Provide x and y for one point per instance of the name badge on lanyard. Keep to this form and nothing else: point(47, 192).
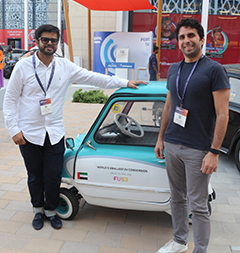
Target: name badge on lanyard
point(45, 104)
point(180, 115)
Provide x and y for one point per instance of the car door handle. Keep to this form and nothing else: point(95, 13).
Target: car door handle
point(88, 143)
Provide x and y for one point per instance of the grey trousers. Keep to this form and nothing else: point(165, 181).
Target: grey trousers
point(189, 190)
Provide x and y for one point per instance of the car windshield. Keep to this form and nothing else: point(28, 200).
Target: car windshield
point(131, 123)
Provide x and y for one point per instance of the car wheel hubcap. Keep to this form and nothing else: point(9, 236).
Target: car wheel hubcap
point(63, 207)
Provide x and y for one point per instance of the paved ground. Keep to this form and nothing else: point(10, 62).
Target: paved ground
point(97, 229)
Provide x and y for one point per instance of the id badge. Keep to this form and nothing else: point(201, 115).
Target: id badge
point(45, 106)
point(180, 116)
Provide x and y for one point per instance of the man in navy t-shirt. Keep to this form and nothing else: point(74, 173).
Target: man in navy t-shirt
point(153, 64)
point(193, 125)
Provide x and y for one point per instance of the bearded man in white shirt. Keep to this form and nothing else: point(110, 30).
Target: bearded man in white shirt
point(32, 109)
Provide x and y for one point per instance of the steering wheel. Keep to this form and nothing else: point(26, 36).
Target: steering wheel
point(125, 129)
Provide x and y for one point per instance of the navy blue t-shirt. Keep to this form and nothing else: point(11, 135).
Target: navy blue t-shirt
point(208, 76)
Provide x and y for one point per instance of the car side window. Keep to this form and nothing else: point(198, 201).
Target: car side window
point(131, 123)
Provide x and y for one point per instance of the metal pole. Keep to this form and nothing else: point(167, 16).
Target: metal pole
point(59, 14)
point(204, 21)
point(215, 7)
point(26, 24)
point(59, 21)
point(159, 29)
point(34, 13)
point(89, 41)
point(3, 14)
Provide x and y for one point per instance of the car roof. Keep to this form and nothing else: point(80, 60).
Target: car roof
point(233, 69)
point(152, 88)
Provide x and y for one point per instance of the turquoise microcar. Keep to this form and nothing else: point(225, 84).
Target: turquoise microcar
point(114, 164)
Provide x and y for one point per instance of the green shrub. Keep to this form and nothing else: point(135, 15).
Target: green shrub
point(92, 96)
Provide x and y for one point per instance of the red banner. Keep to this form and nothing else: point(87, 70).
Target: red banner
point(222, 40)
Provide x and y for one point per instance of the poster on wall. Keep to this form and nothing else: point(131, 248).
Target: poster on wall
point(105, 49)
point(222, 38)
point(217, 42)
point(168, 36)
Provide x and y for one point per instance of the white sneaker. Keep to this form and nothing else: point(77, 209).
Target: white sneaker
point(173, 247)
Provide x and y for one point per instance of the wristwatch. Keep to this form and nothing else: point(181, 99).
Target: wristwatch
point(214, 151)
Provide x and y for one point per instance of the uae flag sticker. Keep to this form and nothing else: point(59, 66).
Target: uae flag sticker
point(82, 175)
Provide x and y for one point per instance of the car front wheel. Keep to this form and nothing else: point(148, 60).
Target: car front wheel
point(68, 205)
point(237, 155)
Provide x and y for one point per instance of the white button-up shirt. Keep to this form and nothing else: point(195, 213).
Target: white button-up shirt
point(21, 105)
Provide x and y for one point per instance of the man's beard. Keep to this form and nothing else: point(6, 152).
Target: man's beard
point(43, 51)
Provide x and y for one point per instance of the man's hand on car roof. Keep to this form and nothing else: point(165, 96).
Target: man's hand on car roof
point(133, 84)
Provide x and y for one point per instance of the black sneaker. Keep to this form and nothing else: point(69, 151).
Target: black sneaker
point(55, 221)
point(38, 221)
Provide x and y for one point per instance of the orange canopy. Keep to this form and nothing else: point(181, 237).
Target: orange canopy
point(116, 5)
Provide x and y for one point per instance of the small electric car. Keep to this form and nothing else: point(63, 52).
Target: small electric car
point(114, 164)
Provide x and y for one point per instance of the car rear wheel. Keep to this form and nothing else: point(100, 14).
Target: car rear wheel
point(237, 155)
point(68, 205)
